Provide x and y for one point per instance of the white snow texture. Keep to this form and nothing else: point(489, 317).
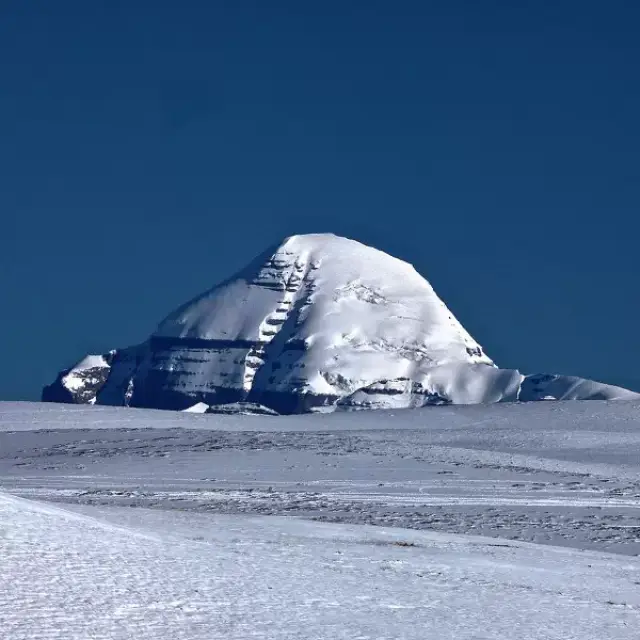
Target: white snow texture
point(170, 525)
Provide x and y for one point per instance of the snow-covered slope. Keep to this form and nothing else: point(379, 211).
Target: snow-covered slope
point(314, 322)
point(154, 575)
point(559, 473)
point(335, 295)
point(476, 384)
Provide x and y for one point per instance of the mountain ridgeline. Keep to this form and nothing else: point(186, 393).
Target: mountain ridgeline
point(316, 323)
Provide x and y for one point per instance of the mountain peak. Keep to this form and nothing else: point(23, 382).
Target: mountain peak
point(315, 321)
point(336, 294)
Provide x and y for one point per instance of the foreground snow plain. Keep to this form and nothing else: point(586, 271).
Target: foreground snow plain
point(198, 558)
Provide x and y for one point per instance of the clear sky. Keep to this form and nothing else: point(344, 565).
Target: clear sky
point(150, 148)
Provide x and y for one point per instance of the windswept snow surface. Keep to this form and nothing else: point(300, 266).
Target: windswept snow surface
point(198, 557)
point(114, 573)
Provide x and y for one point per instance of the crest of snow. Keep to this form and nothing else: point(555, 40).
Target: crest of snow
point(199, 407)
point(79, 374)
point(91, 362)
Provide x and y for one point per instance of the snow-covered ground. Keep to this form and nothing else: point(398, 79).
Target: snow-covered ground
point(198, 558)
point(137, 573)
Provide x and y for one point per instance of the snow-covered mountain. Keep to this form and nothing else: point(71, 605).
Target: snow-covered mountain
point(317, 322)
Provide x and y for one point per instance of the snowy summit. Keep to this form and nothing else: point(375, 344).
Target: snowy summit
point(318, 322)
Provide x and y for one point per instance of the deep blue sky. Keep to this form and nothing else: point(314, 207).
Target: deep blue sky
point(148, 149)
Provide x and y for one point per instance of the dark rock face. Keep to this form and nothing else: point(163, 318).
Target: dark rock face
point(57, 392)
point(118, 388)
point(148, 376)
point(152, 376)
point(160, 378)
